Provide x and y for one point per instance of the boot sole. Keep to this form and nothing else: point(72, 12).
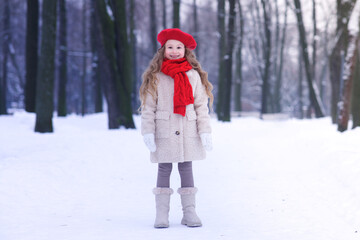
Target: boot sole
point(161, 226)
point(192, 225)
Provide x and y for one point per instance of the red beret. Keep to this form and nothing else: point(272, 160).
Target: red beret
point(176, 34)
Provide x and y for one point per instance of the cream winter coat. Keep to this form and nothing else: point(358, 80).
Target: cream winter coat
point(177, 138)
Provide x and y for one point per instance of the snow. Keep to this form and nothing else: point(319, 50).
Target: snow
point(354, 20)
point(264, 180)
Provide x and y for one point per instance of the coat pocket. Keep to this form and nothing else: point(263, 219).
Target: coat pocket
point(191, 124)
point(162, 124)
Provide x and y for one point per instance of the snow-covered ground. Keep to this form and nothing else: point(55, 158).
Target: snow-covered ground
point(264, 180)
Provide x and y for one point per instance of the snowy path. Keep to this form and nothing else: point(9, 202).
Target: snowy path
point(264, 180)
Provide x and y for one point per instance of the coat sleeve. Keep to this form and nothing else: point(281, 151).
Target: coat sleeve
point(148, 115)
point(201, 106)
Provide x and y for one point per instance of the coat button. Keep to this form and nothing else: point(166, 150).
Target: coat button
point(177, 133)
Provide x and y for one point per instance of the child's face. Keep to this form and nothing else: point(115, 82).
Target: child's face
point(174, 49)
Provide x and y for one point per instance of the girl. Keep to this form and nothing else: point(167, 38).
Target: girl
point(175, 121)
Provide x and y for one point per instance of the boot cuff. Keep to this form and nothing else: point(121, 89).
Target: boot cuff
point(187, 190)
point(167, 191)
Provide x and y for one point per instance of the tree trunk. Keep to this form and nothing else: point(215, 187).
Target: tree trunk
point(273, 78)
point(5, 48)
point(350, 69)
point(238, 81)
point(300, 86)
point(324, 65)
point(257, 39)
point(124, 60)
point(45, 78)
point(266, 54)
point(133, 46)
point(31, 58)
point(355, 101)
point(95, 73)
point(164, 15)
point(221, 77)
point(313, 70)
point(313, 92)
point(84, 65)
point(61, 107)
point(228, 61)
point(196, 29)
point(335, 69)
point(344, 9)
point(278, 82)
point(153, 31)
point(176, 13)
point(349, 73)
point(12, 55)
point(107, 62)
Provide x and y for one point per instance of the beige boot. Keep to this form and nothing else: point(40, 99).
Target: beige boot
point(162, 199)
point(190, 218)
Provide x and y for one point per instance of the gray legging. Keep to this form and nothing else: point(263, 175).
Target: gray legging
point(185, 170)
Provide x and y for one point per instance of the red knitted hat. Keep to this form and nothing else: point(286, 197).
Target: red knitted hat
point(176, 34)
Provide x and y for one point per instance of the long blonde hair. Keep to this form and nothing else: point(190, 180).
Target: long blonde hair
point(149, 83)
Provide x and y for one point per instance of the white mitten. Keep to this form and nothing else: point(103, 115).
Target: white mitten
point(206, 141)
point(149, 140)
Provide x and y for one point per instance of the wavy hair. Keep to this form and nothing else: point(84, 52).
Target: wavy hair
point(149, 83)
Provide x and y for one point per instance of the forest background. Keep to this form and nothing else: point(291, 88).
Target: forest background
point(290, 57)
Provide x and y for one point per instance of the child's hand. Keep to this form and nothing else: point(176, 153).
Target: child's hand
point(149, 140)
point(206, 141)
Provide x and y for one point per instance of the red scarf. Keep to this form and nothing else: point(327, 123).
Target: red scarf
point(183, 94)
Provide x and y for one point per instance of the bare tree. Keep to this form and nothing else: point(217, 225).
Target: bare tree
point(176, 13)
point(5, 48)
point(45, 77)
point(239, 61)
point(314, 45)
point(324, 73)
point(164, 15)
point(344, 9)
point(313, 92)
point(300, 84)
point(84, 60)
point(61, 103)
point(196, 28)
point(266, 54)
point(153, 30)
point(355, 100)
point(280, 63)
point(95, 71)
point(106, 59)
point(123, 61)
point(228, 62)
point(350, 70)
point(133, 46)
point(222, 52)
point(31, 58)
point(275, 99)
point(115, 64)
